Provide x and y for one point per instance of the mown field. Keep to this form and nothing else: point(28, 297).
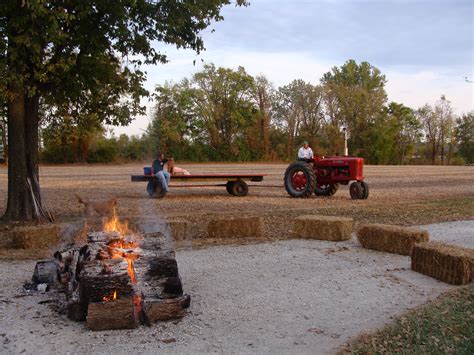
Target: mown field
point(405, 195)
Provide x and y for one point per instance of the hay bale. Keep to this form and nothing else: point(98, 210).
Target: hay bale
point(323, 228)
point(447, 263)
point(6, 238)
point(35, 237)
point(179, 229)
point(391, 239)
point(244, 227)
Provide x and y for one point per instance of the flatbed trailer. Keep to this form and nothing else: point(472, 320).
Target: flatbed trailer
point(235, 184)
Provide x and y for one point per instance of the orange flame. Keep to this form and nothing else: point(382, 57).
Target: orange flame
point(130, 270)
point(114, 225)
point(110, 298)
point(117, 246)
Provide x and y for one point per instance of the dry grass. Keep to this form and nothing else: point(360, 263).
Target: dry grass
point(443, 326)
point(391, 239)
point(323, 228)
point(447, 263)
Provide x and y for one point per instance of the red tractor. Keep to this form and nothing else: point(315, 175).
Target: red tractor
point(323, 176)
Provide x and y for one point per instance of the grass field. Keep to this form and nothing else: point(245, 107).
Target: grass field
point(404, 195)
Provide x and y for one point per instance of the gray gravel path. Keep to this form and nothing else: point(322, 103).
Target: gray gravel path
point(294, 296)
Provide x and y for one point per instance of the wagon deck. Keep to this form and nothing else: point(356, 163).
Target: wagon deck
point(235, 183)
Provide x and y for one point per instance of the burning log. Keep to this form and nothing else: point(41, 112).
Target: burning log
point(102, 277)
point(165, 309)
point(114, 314)
point(112, 282)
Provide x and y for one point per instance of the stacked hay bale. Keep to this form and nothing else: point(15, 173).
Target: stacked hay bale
point(179, 229)
point(323, 227)
point(391, 239)
point(243, 227)
point(35, 237)
point(447, 263)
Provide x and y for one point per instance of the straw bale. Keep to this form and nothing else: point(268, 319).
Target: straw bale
point(6, 239)
point(179, 229)
point(391, 239)
point(447, 263)
point(244, 227)
point(323, 227)
point(35, 237)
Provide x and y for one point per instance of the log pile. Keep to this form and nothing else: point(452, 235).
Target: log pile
point(117, 282)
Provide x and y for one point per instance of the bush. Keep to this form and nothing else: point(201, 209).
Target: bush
point(106, 151)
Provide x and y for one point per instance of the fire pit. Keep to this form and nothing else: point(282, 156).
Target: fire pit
point(118, 279)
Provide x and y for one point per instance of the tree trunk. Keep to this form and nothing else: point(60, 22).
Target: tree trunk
point(24, 199)
point(442, 146)
point(4, 140)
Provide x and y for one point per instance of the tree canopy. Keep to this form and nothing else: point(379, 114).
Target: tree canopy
point(83, 58)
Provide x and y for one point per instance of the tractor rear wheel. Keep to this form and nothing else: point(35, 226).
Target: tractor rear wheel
point(356, 190)
point(300, 180)
point(240, 188)
point(365, 189)
point(326, 189)
point(154, 189)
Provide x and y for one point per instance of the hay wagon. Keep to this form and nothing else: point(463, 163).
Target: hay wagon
point(235, 184)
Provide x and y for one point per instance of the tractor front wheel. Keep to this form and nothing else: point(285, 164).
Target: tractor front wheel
point(356, 190)
point(365, 189)
point(326, 189)
point(300, 180)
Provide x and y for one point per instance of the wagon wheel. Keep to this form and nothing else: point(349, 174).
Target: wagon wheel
point(325, 189)
point(229, 186)
point(356, 190)
point(365, 189)
point(239, 188)
point(154, 189)
point(300, 180)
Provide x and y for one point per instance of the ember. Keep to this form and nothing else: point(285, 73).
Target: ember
point(110, 298)
point(119, 279)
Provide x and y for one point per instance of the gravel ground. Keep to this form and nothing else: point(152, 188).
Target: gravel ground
point(293, 296)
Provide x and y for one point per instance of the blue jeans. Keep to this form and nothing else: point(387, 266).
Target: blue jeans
point(164, 178)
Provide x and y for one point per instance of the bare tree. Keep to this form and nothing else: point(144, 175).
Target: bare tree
point(264, 90)
point(444, 113)
point(431, 128)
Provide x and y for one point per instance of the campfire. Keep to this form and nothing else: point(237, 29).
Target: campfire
point(118, 279)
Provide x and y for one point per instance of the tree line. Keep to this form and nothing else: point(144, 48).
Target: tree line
point(222, 114)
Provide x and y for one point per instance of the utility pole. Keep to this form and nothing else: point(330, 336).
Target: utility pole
point(346, 150)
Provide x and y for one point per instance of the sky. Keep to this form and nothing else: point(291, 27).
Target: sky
point(425, 48)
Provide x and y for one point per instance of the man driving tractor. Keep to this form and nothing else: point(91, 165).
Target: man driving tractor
point(305, 153)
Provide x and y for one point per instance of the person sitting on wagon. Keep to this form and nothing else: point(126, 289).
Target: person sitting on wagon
point(176, 170)
point(162, 175)
point(305, 153)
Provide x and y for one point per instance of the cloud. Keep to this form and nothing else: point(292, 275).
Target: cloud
point(417, 88)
